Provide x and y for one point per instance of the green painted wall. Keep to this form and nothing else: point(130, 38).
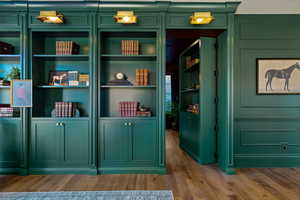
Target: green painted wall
point(264, 123)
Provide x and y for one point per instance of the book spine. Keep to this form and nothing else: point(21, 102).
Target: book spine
point(131, 109)
point(131, 42)
point(69, 109)
point(137, 76)
point(146, 76)
point(126, 47)
point(69, 51)
point(142, 76)
point(59, 109)
point(58, 47)
point(137, 47)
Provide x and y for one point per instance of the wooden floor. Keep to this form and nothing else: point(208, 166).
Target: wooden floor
point(186, 179)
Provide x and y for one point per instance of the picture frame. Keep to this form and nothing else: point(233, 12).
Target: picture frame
point(58, 78)
point(21, 93)
point(278, 76)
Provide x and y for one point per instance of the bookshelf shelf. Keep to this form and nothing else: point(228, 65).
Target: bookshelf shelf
point(190, 90)
point(128, 57)
point(128, 86)
point(59, 56)
point(62, 86)
point(128, 118)
point(4, 87)
point(10, 55)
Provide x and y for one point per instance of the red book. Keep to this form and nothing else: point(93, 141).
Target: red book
point(130, 109)
point(126, 109)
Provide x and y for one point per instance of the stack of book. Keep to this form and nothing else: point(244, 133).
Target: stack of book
point(6, 48)
point(143, 113)
point(84, 79)
point(4, 83)
point(66, 48)
point(141, 76)
point(65, 109)
point(128, 108)
point(130, 47)
point(73, 77)
point(7, 111)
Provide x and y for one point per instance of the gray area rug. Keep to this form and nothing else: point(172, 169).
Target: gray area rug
point(97, 195)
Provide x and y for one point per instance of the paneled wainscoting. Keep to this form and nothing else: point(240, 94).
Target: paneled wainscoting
point(187, 179)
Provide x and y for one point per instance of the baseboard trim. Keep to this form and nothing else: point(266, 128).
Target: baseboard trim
point(42, 171)
point(9, 171)
point(132, 170)
point(266, 161)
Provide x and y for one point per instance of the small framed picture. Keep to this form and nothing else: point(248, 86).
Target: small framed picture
point(58, 78)
point(278, 76)
point(21, 93)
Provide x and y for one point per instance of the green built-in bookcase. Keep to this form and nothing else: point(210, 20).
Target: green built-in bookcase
point(128, 144)
point(10, 127)
point(59, 143)
point(198, 87)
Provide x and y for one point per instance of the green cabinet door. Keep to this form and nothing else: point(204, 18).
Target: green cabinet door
point(46, 139)
point(114, 141)
point(144, 137)
point(76, 142)
point(10, 135)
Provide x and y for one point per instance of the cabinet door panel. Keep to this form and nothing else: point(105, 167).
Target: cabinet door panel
point(10, 135)
point(144, 137)
point(46, 143)
point(76, 141)
point(115, 140)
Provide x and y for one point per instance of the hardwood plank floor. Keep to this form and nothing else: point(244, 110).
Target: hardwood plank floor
point(187, 179)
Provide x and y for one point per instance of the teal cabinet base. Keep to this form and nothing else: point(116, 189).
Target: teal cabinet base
point(132, 170)
point(267, 161)
point(85, 171)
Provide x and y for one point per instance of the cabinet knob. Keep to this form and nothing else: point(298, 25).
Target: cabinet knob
point(129, 123)
point(125, 123)
point(62, 124)
point(57, 124)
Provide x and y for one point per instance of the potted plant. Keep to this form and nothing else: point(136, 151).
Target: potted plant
point(15, 73)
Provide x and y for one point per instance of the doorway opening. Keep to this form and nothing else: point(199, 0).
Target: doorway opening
point(192, 64)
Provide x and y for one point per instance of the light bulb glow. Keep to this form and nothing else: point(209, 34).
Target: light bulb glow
point(199, 20)
point(126, 19)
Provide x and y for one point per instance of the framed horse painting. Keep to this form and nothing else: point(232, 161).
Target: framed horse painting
point(278, 76)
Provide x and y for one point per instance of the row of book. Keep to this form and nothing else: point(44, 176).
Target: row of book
point(6, 48)
point(7, 111)
point(130, 47)
point(67, 48)
point(65, 109)
point(77, 79)
point(130, 109)
point(141, 76)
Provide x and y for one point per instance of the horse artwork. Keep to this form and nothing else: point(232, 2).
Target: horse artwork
point(278, 76)
point(58, 78)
